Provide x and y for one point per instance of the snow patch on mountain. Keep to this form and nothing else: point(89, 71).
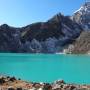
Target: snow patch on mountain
point(82, 16)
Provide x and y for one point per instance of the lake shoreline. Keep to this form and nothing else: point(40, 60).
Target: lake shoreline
point(46, 68)
point(11, 83)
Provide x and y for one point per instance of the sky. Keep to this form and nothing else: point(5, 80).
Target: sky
point(20, 13)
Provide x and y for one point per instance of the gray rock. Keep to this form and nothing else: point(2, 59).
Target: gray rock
point(82, 16)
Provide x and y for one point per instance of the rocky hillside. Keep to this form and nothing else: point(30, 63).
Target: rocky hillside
point(82, 44)
point(52, 36)
point(42, 37)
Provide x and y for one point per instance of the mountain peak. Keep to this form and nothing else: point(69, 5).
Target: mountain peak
point(85, 8)
point(82, 16)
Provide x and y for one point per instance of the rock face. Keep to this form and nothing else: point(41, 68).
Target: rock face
point(42, 37)
point(9, 39)
point(52, 36)
point(82, 16)
point(82, 44)
point(59, 26)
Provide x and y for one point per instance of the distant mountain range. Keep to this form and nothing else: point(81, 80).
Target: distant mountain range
point(57, 35)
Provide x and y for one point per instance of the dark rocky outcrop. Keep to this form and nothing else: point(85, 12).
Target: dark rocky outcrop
point(9, 39)
point(12, 79)
point(2, 81)
point(19, 89)
point(58, 26)
point(37, 37)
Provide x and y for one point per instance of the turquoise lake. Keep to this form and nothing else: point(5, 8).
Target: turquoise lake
point(46, 67)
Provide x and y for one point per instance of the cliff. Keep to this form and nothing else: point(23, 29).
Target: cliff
point(42, 37)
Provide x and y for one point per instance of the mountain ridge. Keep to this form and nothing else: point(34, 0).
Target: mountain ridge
point(52, 36)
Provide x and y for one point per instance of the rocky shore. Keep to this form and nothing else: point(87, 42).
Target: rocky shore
point(11, 83)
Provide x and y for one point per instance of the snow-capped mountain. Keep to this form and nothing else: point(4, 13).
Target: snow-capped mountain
point(52, 36)
point(82, 16)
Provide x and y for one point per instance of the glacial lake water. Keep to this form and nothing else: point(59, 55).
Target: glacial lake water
point(46, 68)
